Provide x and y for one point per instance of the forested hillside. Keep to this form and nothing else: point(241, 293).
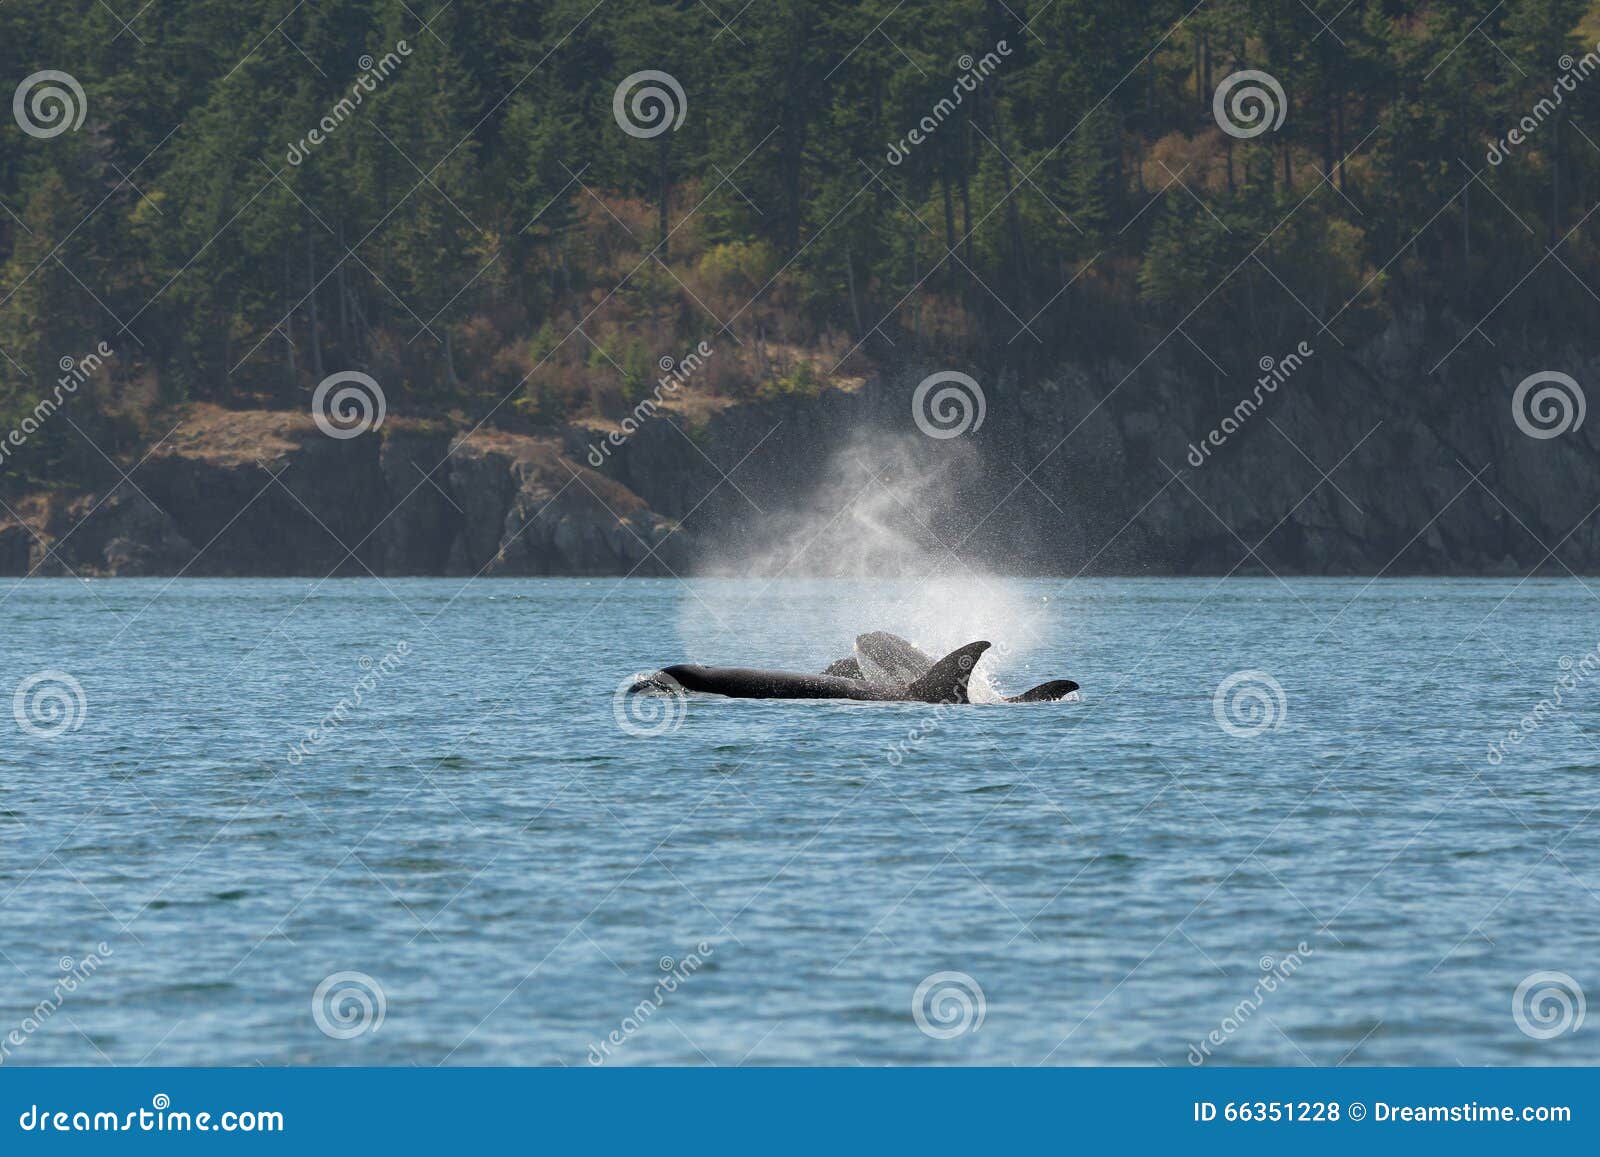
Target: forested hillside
point(482, 200)
point(487, 208)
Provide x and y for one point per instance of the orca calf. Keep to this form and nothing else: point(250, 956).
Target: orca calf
point(885, 669)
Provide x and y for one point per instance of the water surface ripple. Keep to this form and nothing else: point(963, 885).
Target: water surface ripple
point(480, 837)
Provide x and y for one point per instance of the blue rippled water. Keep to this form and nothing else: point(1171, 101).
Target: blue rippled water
point(511, 869)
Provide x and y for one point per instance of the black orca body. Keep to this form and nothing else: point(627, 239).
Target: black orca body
point(884, 669)
point(755, 683)
point(944, 682)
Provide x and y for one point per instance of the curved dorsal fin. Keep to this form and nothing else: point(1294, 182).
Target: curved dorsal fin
point(1051, 692)
point(947, 682)
point(891, 660)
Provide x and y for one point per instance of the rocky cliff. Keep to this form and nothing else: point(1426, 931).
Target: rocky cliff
point(1330, 461)
point(267, 493)
point(1362, 462)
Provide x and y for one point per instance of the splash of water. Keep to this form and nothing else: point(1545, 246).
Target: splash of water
point(877, 545)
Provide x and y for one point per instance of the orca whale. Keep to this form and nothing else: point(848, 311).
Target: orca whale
point(885, 669)
point(886, 658)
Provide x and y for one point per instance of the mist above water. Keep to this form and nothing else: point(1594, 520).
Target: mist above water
point(877, 546)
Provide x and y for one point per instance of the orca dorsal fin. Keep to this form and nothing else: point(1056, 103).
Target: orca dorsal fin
point(947, 682)
point(891, 660)
point(1051, 692)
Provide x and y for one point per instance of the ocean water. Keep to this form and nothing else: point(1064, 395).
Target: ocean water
point(487, 847)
